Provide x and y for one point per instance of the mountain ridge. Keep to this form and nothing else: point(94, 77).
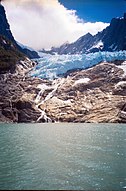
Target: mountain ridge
point(112, 38)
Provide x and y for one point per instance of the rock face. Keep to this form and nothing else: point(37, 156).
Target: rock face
point(93, 95)
point(113, 38)
point(97, 94)
point(17, 92)
point(15, 103)
point(4, 25)
point(6, 32)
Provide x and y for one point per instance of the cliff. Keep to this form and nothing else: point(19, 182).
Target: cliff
point(14, 82)
point(6, 32)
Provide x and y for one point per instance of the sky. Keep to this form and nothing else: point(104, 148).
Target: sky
point(46, 23)
point(97, 10)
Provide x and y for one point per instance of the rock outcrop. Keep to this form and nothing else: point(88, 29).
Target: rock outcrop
point(15, 103)
point(101, 98)
point(17, 92)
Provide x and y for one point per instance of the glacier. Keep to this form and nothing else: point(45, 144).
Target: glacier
point(52, 66)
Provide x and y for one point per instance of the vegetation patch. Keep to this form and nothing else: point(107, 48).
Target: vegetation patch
point(9, 55)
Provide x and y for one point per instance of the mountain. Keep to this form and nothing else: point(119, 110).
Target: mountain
point(113, 38)
point(9, 55)
point(6, 32)
point(4, 25)
point(15, 106)
point(97, 94)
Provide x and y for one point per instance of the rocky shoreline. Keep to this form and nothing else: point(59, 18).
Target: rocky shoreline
point(95, 95)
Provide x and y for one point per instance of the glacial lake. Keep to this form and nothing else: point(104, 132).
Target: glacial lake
point(63, 156)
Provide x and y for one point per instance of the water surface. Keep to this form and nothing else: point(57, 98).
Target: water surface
point(62, 156)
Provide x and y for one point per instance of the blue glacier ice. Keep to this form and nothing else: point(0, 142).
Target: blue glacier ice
point(51, 66)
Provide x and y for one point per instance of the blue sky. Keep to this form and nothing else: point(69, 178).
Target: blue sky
point(96, 10)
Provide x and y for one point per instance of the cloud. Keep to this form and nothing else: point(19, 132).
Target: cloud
point(46, 23)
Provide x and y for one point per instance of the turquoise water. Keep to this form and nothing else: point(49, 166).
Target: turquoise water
point(62, 156)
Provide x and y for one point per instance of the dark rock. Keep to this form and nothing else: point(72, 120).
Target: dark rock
point(30, 53)
point(16, 103)
point(11, 114)
point(4, 26)
point(23, 105)
point(28, 115)
point(122, 114)
point(6, 33)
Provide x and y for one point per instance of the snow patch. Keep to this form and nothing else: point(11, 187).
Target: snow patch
point(98, 45)
point(120, 84)
point(4, 42)
point(82, 81)
point(60, 102)
point(123, 67)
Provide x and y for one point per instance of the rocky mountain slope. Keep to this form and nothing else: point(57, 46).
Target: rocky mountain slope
point(113, 38)
point(93, 95)
point(6, 32)
point(97, 94)
point(15, 105)
point(14, 83)
point(9, 55)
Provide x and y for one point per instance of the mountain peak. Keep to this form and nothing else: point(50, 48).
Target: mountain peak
point(112, 38)
point(4, 25)
point(89, 34)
